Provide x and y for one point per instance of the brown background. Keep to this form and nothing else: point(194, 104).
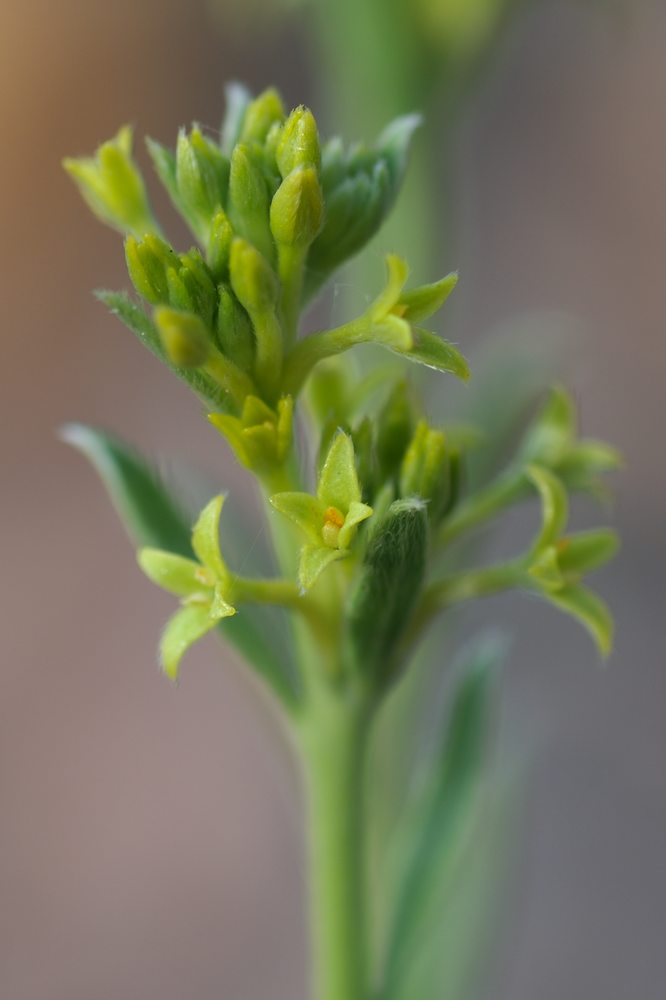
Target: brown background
point(150, 842)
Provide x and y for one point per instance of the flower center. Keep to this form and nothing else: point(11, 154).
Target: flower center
point(333, 521)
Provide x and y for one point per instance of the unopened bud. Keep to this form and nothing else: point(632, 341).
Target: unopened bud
point(219, 245)
point(234, 330)
point(261, 114)
point(252, 278)
point(297, 209)
point(248, 203)
point(147, 263)
point(202, 175)
point(299, 142)
point(184, 337)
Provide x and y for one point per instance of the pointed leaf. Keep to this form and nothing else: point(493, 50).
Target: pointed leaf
point(313, 561)
point(553, 431)
point(187, 626)
point(589, 610)
point(338, 484)
point(176, 574)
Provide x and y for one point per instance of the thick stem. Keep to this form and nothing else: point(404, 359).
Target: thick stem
point(335, 744)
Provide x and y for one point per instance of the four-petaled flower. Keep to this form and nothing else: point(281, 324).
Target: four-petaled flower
point(330, 518)
point(204, 586)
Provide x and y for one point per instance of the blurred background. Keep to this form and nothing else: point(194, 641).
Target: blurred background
point(150, 837)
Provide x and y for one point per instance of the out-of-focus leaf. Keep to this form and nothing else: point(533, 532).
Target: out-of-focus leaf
point(438, 832)
point(151, 518)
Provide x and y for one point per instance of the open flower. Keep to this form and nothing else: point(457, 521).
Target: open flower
point(204, 586)
point(329, 519)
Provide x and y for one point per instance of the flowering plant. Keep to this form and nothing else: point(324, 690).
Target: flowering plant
point(365, 500)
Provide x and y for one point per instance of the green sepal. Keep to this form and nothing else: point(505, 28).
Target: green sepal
point(554, 507)
point(112, 186)
point(338, 484)
point(422, 302)
point(303, 510)
point(356, 514)
point(260, 438)
point(206, 538)
point(587, 608)
point(252, 278)
point(397, 273)
point(189, 624)
point(434, 352)
point(586, 551)
point(388, 585)
point(177, 574)
point(314, 559)
point(425, 470)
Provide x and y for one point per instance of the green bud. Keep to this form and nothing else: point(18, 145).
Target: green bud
point(113, 187)
point(219, 245)
point(234, 330)
point(198, 280)
point(147, 263)
point(202, 175)
point(389, 583)
point(299, 142)
point(263, 112)
point(297, 209)
point(249, 200)
point(425, 470)
point(184, 337)
point(252, 278)
point(364, 449)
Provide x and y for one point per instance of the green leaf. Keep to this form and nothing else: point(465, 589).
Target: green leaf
point(436, 833)
point(187, 626)
point(174, 573)
point(338, 484)
point(149, 515)
point(554, 506)
point(151, 518)
point(387, 589)
point(430, 350)
point(589, 610)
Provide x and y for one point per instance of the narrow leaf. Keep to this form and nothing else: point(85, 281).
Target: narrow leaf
point(434, 352)
point(589, 610)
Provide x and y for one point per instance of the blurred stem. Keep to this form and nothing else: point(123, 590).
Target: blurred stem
point(334, 741)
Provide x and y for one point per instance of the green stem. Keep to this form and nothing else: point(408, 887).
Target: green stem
point(291, 263)
point(334, 745)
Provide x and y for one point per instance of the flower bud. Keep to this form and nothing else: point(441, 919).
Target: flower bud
point(147, 263)
point(252, 278)
point(299, 142)
point(425, 469)
point(219, 245)
point(113, 187)
point(248, 203)
point(184, 337)
point(394, 430)
point(234, 330)
point(202, 176)
point(297, 209)
point(260, 115)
